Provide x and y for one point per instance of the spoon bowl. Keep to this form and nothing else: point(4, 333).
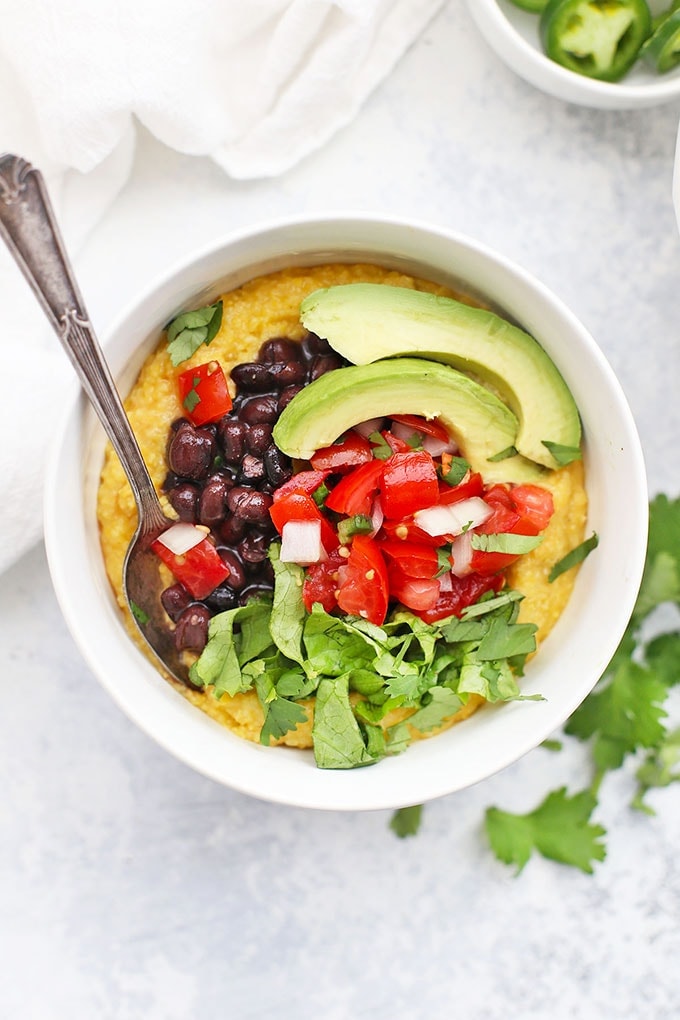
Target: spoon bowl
point(29, 228)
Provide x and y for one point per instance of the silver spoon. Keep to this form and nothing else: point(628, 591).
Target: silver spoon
point(29, 228)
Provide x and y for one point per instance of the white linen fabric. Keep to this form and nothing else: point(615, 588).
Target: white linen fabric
point(254, 84)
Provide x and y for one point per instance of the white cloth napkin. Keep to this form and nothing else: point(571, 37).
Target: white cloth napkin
point(254, 84)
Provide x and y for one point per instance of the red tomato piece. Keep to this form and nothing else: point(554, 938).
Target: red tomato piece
point(321, 583)
point(364, 586)
point(418, 424)
point(413, 559)
point(417, 593)
point(354, 494)
point(298, 506)
point(409, 483)
point(465, 592)
point(472, 486)
point(395, 444)
point(303, 481)
point(203, 392)
point(407, 531)
point(352, 450)
point(535, 506)
point(200, 569)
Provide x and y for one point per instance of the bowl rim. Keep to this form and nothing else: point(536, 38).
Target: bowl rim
point(535, 67)
point(154, 704)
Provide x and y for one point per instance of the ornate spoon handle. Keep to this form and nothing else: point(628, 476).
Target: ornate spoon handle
point(29, 228)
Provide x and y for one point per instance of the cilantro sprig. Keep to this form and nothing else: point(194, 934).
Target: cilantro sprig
point(189, 330)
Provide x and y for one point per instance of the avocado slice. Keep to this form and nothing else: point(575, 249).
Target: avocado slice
point(366, 322)
point(478, 421)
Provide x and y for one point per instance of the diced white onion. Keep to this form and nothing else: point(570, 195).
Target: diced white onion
point(445, 582)
point(377, 516)
point(301, 543)
point(404, 432)
point(365, 428)
point(461, 554)
point(453, 518)
point(436, 447)
point(181, 537)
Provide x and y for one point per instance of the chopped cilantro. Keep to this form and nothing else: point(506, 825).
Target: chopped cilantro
point(563, 455)
point(191, 400)
point(140, 615)
point(509, 451)
point(381, 448)
point(189, 330)
point(574, 557)
point(506, 542)
point(456, 472)
point(406, 821)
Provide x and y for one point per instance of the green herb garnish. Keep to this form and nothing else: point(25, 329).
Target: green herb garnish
point(189, 330)
point(563, 455)
point(574, 557)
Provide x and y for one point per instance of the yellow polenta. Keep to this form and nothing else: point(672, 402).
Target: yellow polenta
point(268, 307)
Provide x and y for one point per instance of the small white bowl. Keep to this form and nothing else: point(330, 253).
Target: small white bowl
point(571, 659)
point(513, 34)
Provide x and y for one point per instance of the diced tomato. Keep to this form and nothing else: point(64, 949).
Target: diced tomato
point(352, 450)
point(354, 494)
point(472, 486)
point(203, 392)
point(428, 428)
point(415, 593)
point(409, 483)
point(414, 559)
point(321, 583)
point(363, 589)
point(535, 506)
point(395, 444)
point(407, 531)
point(303, 481)
point(200, 569)
point(298, 506)
point(465, 592)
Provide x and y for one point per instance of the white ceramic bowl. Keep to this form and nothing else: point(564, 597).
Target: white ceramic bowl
point(570, 661)
point(513, 34)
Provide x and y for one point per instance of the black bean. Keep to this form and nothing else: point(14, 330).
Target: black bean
point(252, 376)
point(277, 466)
point(313, 345)
point(231, 435)
point(322, 364)
point(191, 452)
point(259, 409)
point(232, 529)
point(253, 548)
point(279, 348)
point(252, 470)
point(212, 505)
point(258, 437)
point(184, 500)
point(261, 588)
point(237, 574)
point(175, 600)
point(286, 396)
point(249, 504)
point(191, 630)
point(287, 373)
point(223, 597)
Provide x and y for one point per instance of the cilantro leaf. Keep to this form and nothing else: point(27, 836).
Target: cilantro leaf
point(657, 770)
point(288, 612)
point(622, 716)
point(509, 451)
point(189, 330)
point(406, 821)
point(574, 557)
point(381, 448)
point(559, 829)
point(505, 542)
point(562, 455)
point(280, 714)
point(338, 743)
point(456, 471)
point(219, 664)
